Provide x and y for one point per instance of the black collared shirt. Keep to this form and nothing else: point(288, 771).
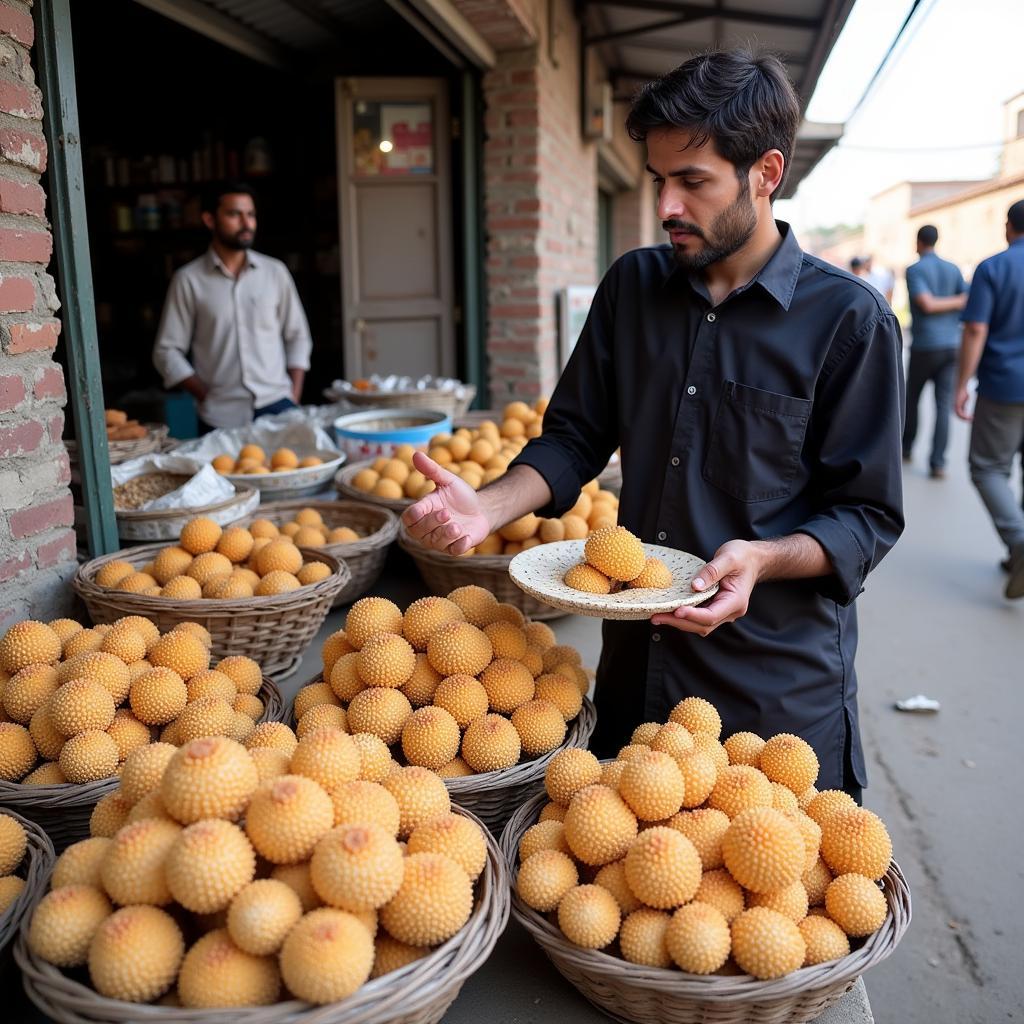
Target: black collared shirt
point(777, 411)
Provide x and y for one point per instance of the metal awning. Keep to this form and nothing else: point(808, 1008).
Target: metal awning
point(641, 39)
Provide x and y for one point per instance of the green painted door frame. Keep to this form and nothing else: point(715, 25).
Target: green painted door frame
point(56, 69)
point(474, 303)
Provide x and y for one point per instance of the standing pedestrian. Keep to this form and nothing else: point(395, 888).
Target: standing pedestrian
point(993, 347)
point(937, 293)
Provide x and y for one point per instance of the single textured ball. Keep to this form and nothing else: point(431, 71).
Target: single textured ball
point(270, 762)
point(704, 827)
point(587, 579)
point(328, 757)
point(856, 841)
point(422, 684)
point(790, 760)
point(124, 641)
point(655, 575)
point(615, 552)
point(112, 573)
point(391, 955)
point(824, 939)
point(457, 837)
point(216, 973)
point(662, 868)
point(88, 757)
point(508, 684)
point(739, 787)
point(856, 904)
point(261, 915)
point(109, 815)
point(380, 711)
point(491, 744)
point(545, 878)
point(45, 735)
point(386, 660)
point(135, 954)
point(13, 843)
point(182, 588)
point(421, 797)
point(207, 567)
point(273, 734)
point(243, 671)
point(561, 692)
point(28, 643)
point(599, 826)
point(589, 916)
point(296, 877)
point(763, 850)
point(720, 890)
point(767, 944)
point(27, 691)
point(143, 770)
point(287, 817)
point(322, 716)
point(208, 864)
point(199, 535)
point(150, 806)
point(826, 802)
point(374, 757)
point(652, 785)
point(540, 725)
point(478, 605)
point(433, 902)
point(698, 938)
point(181, 651)
point(568, 772)
point(65, 921)
point(213, 777)
point(326, 956)
point(430, 737)
point(79, 705)
point(80, 863)
point(344, 680)
point(699, 774)
point(357, 867)
point(128, 734)
point(208, 716)
point(613, 878)
point(790, 900)
point(456, 768)
point(134, 871)
point(47, 774)
point(211, 683)
point(11, 887)
point(463, 697)
point(85, 641)
point(459, 648)
point(816, 880)
point(507, 640)
point(744, 748)
point(333, 648)
point(426, 616)
point(371, 615)
point(276, 582)
point(697, 715)
point(366, 803)
point(158, 696)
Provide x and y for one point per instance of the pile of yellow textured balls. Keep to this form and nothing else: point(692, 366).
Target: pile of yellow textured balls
point(613, 557)
point(252, 460)
point(307, 529)
point(462, 684)
point(82, 704)
point(242, 875)
point(710, 857)
point(229, 563)
point(13, 846)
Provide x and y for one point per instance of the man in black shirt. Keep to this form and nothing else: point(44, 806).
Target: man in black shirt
point(756, 395)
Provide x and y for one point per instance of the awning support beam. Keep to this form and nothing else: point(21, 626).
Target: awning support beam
point(701, 13)
point(636, 30)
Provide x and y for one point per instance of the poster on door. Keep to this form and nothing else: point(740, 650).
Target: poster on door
point(408, 127)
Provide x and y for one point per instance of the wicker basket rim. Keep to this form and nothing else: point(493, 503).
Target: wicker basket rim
point(343, 484)
point(293, 477)
point(83, 583)
point(156, 432)
point(715, 989)
point(375, 1001)
point(40, 856)
point(242, 494)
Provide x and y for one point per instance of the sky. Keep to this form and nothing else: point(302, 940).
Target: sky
point(935, 113)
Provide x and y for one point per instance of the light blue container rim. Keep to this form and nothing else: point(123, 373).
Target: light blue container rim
point(421, 422)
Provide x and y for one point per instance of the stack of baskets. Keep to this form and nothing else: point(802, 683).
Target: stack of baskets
point(652, 995)
point(62, 810)
point(35, 868)
point(271, 630)
point(453, 403)
point(442, 574)
point(419, 993)
point(364, 557)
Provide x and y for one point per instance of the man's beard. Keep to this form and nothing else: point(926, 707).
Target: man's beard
point(730, 231)
point(240, 240)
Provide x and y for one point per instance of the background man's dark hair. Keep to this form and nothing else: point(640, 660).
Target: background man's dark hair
point(741, 102)
point(213, 194)
point(1015, 215)
point(928, 234)
point(856, 263)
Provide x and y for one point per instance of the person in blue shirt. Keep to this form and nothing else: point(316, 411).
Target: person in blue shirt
point(992, 346)
point(937, 293)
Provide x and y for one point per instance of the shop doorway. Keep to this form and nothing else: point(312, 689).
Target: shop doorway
point(396, 226)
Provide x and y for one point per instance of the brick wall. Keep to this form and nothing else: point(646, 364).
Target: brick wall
point(37, 547)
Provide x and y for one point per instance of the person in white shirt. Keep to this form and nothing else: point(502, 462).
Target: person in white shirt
point(233, 331)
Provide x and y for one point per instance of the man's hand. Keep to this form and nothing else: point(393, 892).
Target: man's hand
point(961, 403)
point(736, 567)
point(195, 387)
point(451, 517)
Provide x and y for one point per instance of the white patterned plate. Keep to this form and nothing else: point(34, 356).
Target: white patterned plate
point(540, 571)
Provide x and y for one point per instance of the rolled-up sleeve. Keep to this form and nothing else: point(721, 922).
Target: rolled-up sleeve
point(294, 326)
point(174, 336)
point(581, 421)
point(855, 445)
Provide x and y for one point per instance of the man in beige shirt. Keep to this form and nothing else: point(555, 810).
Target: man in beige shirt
point(233, 332)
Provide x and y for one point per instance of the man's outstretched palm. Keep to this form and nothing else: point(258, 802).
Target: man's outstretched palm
point(450, 518)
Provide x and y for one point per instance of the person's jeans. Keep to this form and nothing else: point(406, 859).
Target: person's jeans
point(996, 437)
point(939, 367)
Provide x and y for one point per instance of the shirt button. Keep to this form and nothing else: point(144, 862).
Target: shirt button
point(712, 318)
point(675, 460)
point(691, 390)
point(655, 637)
point(662, 535)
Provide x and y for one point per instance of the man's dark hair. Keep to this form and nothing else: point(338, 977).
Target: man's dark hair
point(856, 263)
point(1015, 215)
point(741, 101)
point(928, 235)
point(213, 194)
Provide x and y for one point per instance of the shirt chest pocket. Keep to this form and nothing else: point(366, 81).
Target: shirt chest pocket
point(262, 311)
point(756, 439)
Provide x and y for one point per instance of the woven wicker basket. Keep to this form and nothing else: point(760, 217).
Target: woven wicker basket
point(167, 523)
point(63, 810)
point(651, 995)
point(289, 484)
point(364, 557)
point(343, 485)
point(35, 868)
point(419, 993)
point(273, 631)
point(122, 451)
point(428, 398)
point(442, 573)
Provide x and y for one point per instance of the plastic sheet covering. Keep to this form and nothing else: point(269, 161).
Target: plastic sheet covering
point(290, 429)
point(206, 486)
